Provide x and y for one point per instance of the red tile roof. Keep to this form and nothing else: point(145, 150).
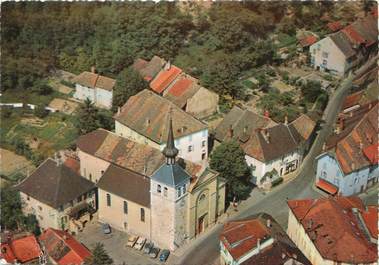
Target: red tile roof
point(7, 253)
point(371, 152)
point(349, 150)
point(326, 186)
point(180, 87)
point(334, 228)
point(64, 248)
point(165, 78)
point(308, 41)
point(240, 237)
point(334, 26)
point(370, 218)
point(23, 249)
point(73, 164)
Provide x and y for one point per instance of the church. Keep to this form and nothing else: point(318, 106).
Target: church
point(148, 192)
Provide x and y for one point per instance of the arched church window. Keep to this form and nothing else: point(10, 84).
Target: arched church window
point(202, 197)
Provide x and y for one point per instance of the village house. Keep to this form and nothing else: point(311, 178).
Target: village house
point(144, 118)
point(334, 230)
point(95, 87)
point(147, 193)
point(62, 248)
point(271, 150)
point(349, 164)
point(20, 249)
point(341, 51)
point(59, 197)
point(178, 87)
point(149, 69)
point(258, 240)
point(186, 93)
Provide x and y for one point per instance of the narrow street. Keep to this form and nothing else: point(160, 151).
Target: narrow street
point(205, 250)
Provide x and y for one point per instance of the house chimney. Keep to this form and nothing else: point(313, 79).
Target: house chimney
point(351, 114)
point(167, 65)
point(259, 245)
point(268, 223)
point(93, 69)
point(286, 120)
point(230, 132)
point(266, 135)
point(118, 110)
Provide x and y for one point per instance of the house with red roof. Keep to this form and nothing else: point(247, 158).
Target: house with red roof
point(349, 163)
point(345, 49)
point(24, 250)
point(334, 230)
point(258, 240)
point(62, 248)
point(186, 93)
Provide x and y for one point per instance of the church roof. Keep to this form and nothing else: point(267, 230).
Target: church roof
point(171, 175)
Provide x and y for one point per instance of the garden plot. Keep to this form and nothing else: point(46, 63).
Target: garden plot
point(62, 105)
point(12, 163)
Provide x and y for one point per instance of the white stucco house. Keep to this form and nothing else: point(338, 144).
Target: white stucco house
point(271, 150)
point(144, 117)
point(97, 88)
point(349, 164)
point(340, 52)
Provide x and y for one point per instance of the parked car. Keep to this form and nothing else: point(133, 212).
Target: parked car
point(140, 242)
point(132, 239)
point(106, 228)
point(148, 247)
point(154, 252)
point(164, 255)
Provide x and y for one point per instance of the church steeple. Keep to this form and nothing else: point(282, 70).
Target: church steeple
point(170, 151)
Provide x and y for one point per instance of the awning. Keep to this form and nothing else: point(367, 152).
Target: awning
point(327, 187)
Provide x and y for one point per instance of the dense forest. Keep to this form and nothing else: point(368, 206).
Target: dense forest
point(215, 44)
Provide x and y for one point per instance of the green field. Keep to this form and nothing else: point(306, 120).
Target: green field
point(55, 132)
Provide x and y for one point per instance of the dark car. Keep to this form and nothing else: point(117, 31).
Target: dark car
point(106, 228)
point(154, 252)
point(164, 255)
point(148, 247)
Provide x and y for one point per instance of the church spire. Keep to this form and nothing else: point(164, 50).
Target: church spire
point(170, 151)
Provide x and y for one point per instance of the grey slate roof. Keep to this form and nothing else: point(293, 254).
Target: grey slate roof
point(343, 43)
point(126, 184)
point(171, 175)
point(54, 185)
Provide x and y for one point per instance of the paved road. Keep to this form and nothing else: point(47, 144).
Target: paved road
point(205, 250)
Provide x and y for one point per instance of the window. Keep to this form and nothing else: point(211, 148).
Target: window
point(203, 155)
point(159, 188)
point(125, 207)
point(324, 62)
point(190, 148)
point(184, 188)
point(142, 215)
point(60, 208)
point(179, 192)
point(165, 191)
point(202, 197)
point(40, 208)
point(102, 172)
point(28, 198)
point(325, 55)
point(203, 143)
point(90, 177)
point(80, 198)
point(108, 199)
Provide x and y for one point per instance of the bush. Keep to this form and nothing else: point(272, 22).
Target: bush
point(66, 83)
point(41, 87)
point(277, 181)
point(6, 112)
point(40, 111)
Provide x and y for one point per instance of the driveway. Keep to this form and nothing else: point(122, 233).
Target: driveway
point(115, 245)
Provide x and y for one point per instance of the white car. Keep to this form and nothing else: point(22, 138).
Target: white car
point(140, 242)
point(132, 241)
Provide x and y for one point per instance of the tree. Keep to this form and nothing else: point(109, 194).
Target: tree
point(229, 160)
point(99, 256)
point(311, 90)
point(11, 214)
point(128, 83)
point(41, 87)
point(40, 111)
point(88, 117)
